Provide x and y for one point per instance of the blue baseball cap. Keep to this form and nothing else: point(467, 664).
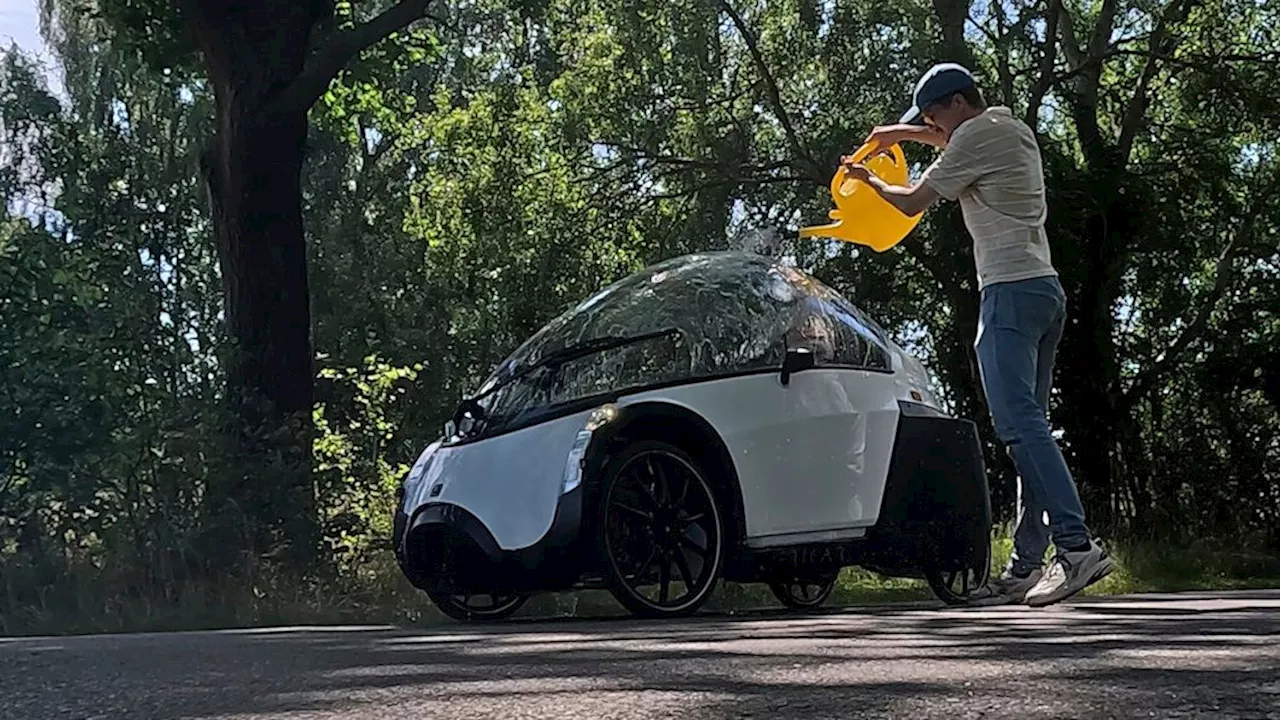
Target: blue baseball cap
point(939, 82)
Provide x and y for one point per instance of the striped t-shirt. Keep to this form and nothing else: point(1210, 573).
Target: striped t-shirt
point(992, 166)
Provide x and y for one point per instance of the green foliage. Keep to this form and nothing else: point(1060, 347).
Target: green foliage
point(356, 463)
point(469, 179)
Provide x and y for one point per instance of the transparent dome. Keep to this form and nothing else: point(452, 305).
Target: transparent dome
point(727, 312)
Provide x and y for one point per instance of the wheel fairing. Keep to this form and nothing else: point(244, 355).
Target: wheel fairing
point(510, 482)
point(808, 457)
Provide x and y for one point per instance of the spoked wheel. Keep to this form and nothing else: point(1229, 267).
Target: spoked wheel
point(661, 531)
point(480, 607)
point(958, 586)
point(805, 594)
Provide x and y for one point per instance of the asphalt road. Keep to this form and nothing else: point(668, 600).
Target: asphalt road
point(1172, 656)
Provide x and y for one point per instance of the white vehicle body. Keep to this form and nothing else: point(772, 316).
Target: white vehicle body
point(810, 450)
point(811, 458)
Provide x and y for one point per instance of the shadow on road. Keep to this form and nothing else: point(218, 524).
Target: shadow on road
point(1084, 660)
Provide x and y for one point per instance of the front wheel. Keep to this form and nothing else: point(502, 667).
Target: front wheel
point(661, 531)
point(480, 607)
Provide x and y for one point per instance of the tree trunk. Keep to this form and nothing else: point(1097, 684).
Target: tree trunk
point(1088, 413)
point(265, 502)
point(1092, 417)
point(266, 75)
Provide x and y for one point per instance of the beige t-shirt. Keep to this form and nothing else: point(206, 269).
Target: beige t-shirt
point(992, 166)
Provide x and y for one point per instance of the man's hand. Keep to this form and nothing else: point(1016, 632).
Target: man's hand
point(854, 170)
point(883, 136)
point(909, 201)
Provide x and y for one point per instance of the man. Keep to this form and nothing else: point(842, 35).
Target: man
point(990, 163)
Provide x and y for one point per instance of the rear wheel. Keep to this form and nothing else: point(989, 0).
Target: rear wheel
point(805, 593)
point(957, 586)
point(661, 531)
point(479, 607)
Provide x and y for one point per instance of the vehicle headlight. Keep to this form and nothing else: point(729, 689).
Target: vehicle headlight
point(419, 467)
point(920, 380)
point(574, 463)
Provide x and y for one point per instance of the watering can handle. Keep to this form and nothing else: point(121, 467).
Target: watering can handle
point(860, 155)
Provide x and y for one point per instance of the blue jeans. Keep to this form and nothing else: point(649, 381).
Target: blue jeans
point(1019, 327)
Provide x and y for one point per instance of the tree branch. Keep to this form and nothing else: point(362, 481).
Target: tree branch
point(1047, 60)
point(951, 15)
point(1160, 44)
point(771, 86)
point(1070, 43)
point(934, 265)
point(205, 35)
point(992, 38)
point(370, 159)
point(732, 172)
point(326, 62)
point(1222, 281)
point(1102, 30)
point(1087, 68)
point(1000, 42)
point(1201, 62)
point(1018, 26)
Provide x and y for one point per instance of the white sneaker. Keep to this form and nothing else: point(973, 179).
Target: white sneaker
point(1069, 573)
point(1008, 588)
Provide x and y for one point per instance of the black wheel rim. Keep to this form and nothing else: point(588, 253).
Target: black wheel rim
point(663, 531)
point(807, 592)
point(962, 583)
point(496, 605)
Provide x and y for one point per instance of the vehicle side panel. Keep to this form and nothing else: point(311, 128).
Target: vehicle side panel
point(810, 456)
point(511, 482)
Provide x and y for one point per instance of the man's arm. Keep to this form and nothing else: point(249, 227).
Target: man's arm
point(885, 135)
point(967, 157)
point(910, 201)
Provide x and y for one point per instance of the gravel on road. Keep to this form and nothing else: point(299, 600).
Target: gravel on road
point(1159, 656)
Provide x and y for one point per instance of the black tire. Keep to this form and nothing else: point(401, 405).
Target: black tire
point(957, 586)
point(459, 608)
point(807, 593)
point(658, 514)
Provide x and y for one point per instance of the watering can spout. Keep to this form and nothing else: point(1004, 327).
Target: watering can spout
point(822, 230)
point(861, 216)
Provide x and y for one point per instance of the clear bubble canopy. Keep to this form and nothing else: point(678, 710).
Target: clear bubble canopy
point(695, 317)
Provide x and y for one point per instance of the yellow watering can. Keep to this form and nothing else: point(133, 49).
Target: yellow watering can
point(861, 215)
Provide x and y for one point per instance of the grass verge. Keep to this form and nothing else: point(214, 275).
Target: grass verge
point(375, 593)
